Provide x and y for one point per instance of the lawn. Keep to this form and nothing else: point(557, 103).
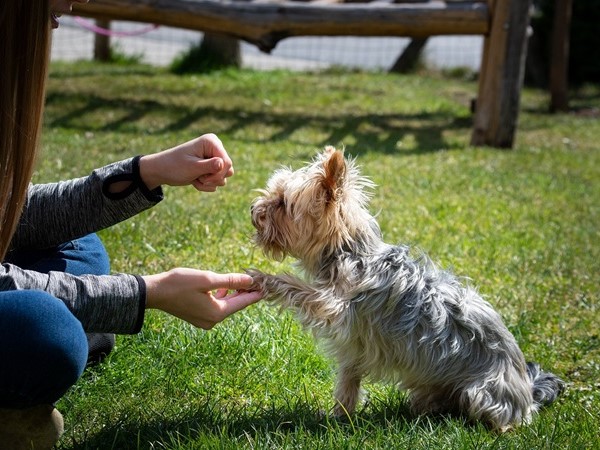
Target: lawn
point(522, 224)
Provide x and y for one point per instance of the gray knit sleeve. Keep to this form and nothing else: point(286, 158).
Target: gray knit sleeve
point(102, 303)
point(59, 212)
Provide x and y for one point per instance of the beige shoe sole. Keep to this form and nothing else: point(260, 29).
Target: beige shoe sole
point(37, 428)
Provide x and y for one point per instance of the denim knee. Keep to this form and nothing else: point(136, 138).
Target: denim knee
point(83, 256)
point(43, 349)
point(86, 256)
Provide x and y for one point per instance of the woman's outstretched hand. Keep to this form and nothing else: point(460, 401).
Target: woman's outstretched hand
point(200, 297)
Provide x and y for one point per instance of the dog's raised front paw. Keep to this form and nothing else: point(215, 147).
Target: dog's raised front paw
point(259, 279)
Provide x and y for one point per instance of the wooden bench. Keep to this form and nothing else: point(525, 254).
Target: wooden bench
point(503, 23)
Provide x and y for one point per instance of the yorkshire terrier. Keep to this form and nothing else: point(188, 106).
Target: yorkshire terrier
point(384, 314)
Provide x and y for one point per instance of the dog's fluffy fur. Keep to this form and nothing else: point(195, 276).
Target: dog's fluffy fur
point(384, 314)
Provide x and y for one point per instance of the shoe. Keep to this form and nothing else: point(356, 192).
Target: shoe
point(38, 428)
point(99, 346)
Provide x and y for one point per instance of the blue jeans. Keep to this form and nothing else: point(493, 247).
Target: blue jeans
point(43, 347)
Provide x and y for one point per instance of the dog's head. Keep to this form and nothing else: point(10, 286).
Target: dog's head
point(311, 212)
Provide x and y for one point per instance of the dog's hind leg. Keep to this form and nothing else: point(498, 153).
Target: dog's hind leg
point(432, 400)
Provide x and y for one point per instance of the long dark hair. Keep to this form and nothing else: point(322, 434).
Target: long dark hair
point(25, 34)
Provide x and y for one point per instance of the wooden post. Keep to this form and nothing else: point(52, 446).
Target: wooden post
point(409, 58)
point(559, 62)
point(102, 42)
point(501, 75)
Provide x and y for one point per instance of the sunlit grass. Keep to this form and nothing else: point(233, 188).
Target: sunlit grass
point(522, 224)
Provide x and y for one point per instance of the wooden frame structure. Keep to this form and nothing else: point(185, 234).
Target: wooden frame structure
point(264, 23)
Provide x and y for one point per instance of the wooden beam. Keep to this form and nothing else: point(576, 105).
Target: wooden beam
point(266, 23)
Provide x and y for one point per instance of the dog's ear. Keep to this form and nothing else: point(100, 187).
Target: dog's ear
point(335, 171)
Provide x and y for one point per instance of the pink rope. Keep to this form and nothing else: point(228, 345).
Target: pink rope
point(90, 26)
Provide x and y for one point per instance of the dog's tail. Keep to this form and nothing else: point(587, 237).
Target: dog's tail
point(546, 386)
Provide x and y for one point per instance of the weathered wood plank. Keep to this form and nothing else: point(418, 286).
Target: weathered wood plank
point(266, 23)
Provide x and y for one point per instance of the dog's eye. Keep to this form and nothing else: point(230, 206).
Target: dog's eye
point(286, 207)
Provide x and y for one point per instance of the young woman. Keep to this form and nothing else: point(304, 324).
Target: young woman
point(55, 284)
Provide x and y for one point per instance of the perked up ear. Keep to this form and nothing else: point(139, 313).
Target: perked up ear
point(335, 170)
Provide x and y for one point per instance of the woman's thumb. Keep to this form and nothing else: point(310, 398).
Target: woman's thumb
point(210, 166)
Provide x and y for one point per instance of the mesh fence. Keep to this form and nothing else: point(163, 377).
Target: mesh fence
point(73, 41)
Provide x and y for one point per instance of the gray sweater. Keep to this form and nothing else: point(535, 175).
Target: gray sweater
point(59, 212)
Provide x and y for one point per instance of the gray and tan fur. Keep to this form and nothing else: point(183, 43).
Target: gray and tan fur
point(384, 314)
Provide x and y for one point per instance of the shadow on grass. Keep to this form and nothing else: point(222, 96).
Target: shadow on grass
point(263, 428)
point(584, 101)
point(368, 131)
point(85, 69)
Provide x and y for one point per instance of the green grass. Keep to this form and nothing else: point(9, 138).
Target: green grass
point(522, 224)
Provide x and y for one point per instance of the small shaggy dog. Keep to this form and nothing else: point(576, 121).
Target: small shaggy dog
point(384, 314)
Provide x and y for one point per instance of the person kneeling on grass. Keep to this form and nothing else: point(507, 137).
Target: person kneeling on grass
point(59, 307)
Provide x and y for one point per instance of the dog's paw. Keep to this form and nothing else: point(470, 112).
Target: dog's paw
point(340, 414)
point(259, 280)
